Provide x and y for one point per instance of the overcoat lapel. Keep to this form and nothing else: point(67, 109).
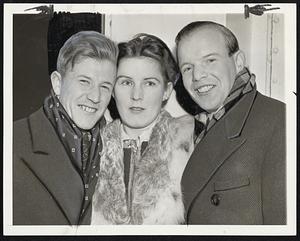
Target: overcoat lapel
point(222, 140)
point(52, 166)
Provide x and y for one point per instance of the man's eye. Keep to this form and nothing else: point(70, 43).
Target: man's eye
point(84, 82)
point(211, 60)
point(150, 83)
point(105, 87)
point(186, 69)
point(126, 82)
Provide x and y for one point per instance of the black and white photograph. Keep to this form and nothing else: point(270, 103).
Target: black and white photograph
point(149, 119)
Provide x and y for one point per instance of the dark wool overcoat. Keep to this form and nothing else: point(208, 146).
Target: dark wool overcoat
point(47, 188)
point(236, 174)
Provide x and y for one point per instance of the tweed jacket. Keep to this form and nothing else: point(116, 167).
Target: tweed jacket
point(156, 191)
point(47, 188)
point(236, 174)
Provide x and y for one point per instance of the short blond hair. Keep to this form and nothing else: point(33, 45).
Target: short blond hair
point(90, 44)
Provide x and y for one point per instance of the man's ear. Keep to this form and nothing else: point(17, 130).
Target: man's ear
point(56, 82)
point(239, 60)
point(168, 91)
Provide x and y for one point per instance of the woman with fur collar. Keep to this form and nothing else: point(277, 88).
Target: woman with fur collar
point(144, 153)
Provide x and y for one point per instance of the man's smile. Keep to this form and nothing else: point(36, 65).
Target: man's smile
point(205, 88)
point(88, 109)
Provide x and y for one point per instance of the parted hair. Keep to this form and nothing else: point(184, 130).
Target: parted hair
point(146, 45)
point(89, 44)
point(230, 39)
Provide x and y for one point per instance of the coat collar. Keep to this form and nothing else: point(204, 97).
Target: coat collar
point(223, 139)
point(53, 167)
point(236, 117)
point(39, 124)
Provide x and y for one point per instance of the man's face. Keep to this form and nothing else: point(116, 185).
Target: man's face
point(207, 70)
point(85, 90)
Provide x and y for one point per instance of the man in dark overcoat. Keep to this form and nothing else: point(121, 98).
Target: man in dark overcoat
point(57, 149)
point(237, 172)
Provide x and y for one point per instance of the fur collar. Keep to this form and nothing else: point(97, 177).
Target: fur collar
point(156, 191)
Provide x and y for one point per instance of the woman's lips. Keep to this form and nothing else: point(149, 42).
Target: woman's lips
point(136, 109)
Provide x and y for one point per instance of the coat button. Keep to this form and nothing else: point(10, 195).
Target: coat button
point(215, 199)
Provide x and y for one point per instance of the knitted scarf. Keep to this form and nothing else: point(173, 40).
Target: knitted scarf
point(243, 84)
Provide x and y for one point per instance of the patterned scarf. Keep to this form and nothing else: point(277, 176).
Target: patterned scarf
point(243, 84)
point(83, 147)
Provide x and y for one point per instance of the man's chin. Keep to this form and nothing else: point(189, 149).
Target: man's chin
point(209, 108)
point(85, 126)
point(207, 104)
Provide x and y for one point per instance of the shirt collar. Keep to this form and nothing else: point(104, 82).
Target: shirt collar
point(145, 136)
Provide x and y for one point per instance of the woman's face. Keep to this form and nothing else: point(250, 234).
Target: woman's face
point(139, 91)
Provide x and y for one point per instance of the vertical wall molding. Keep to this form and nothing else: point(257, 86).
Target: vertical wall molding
point(269, 55)
point(107, 25)
point(278, 55)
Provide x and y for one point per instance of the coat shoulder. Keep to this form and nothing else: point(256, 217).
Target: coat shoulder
point(23, 131)
point(270, 109)
point(20, 127)
point(21, 136)
point(269, 104)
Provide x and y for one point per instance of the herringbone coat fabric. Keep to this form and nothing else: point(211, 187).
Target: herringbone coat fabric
point(47, 187)
point(236, 174)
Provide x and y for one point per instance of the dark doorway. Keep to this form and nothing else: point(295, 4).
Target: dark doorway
point(30, 63)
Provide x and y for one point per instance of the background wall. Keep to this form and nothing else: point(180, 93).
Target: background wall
point(166, 26)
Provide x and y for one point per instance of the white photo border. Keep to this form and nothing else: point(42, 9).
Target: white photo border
point(289, 11)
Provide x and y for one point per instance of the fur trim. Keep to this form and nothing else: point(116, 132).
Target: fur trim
point(109, 202)
point(156, 190)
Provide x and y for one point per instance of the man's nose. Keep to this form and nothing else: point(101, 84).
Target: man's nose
point(94, 95)
point(137, 92)
point(199, 72)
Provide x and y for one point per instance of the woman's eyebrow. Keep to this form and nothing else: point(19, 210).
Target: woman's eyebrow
point(123, 76)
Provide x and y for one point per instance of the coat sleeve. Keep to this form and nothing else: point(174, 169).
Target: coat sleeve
point(274, 176)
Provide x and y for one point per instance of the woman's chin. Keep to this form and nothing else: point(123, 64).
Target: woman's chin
point(138, 125)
